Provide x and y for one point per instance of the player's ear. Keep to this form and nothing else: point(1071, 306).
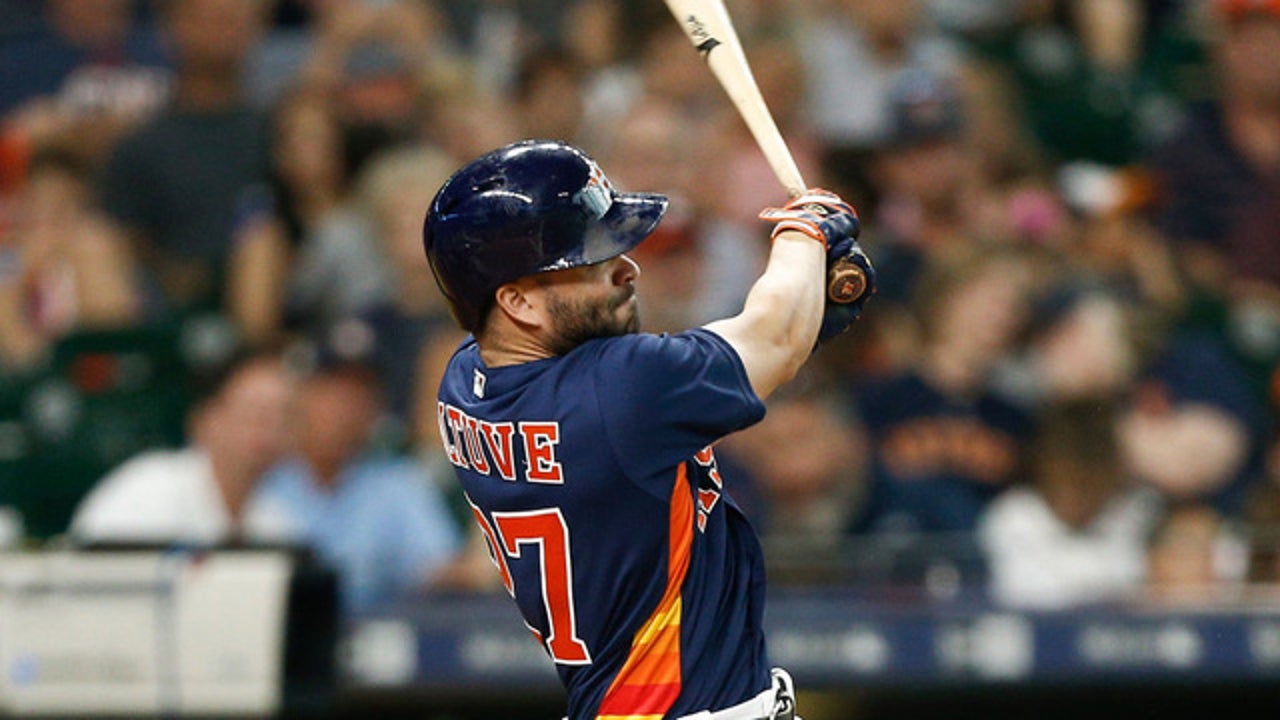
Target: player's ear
point(515, 300)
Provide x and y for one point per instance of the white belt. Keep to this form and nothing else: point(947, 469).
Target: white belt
point(759, 707)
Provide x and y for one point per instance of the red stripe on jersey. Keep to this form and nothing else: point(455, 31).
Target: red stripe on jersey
point(649, 681)
point(644, 699)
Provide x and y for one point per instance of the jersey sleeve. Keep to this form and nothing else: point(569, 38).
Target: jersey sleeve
point(665, 397)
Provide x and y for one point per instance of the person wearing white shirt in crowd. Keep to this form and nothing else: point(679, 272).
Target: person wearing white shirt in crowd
point(1077, 532)
point(202, 494)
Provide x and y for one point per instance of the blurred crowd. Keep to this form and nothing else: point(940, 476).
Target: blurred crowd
point(217, 324)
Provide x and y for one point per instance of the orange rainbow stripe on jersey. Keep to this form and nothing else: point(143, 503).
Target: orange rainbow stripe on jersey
point(649, 681)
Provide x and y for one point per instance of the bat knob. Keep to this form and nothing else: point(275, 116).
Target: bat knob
point(846, 282)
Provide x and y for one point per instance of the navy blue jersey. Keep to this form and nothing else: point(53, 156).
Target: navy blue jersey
point(593, 479)
point(938, 460)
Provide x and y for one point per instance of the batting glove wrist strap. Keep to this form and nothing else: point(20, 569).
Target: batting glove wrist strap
point(819, 214)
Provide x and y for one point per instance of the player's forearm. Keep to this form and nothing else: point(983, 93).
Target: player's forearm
point(775, 332)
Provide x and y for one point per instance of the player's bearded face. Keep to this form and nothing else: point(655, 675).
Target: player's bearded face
point(577, 318)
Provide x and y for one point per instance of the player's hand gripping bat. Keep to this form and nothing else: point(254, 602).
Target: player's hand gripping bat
point(707, 24)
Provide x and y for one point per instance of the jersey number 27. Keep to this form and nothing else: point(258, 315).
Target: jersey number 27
point(539, 536)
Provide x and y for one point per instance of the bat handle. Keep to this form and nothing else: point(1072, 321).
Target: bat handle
point(846, 282)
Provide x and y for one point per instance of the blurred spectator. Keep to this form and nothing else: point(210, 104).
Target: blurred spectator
point(1261, 521)
point(203, 493)
point(1077, 531)
point(595, 36)
point(410, 311)
point(1117, 242)
point(63, 268)
point(377, 100)
point(1192, 428)
point(807, 461)
point(84, 52)
point(647, 75)
point(472, 568)
point(531, 23)
point(695, 92)
point(275, 64)
point(1235, 147)
point(1080, 346)
point(996, 130)
point(852, 49)
point(84, 74)
point(335, 272)
point(336, 30)
point(466, 121)
point(936, 198)
point(18, 17)
point(1078, 69)
point(943, 443)
point(929, 191)
point(186, 186)
point(308, 42)
point(1195, 557)
point(607, 38)
point(378, 519)
point(374, 58)
point(1222, 165)
point(548, 95)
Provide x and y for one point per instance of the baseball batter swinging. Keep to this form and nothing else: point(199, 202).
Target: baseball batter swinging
point(585, 447)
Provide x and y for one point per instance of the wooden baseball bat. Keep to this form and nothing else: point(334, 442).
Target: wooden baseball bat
point(709, 28)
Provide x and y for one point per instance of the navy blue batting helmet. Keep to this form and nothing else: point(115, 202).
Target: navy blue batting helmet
point(529, 207)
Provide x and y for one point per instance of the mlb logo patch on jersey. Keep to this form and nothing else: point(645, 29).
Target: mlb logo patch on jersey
point(477, 384)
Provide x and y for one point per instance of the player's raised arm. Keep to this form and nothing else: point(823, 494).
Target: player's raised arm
point(787, 310)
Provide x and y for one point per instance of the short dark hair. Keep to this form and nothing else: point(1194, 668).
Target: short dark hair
point(542, 61)
point(208, 382)
point(363, 372)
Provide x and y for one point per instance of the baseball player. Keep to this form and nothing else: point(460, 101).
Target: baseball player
point(585, 447)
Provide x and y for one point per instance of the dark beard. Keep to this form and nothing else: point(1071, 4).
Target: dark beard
point(574, 323)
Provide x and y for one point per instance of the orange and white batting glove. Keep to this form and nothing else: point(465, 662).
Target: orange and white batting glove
point(817, 213)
